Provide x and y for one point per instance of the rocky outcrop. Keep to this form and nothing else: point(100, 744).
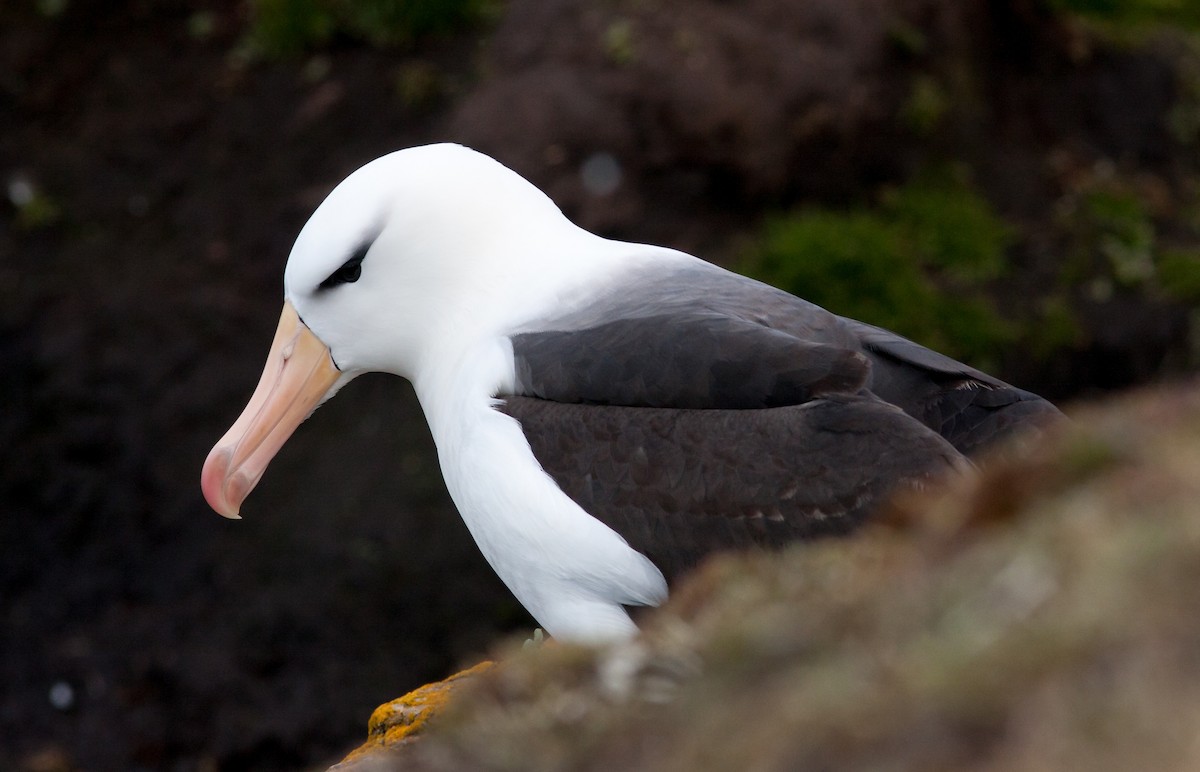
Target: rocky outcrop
point(1041, 614)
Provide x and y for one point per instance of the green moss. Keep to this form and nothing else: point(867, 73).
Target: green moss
point(618, 41)
point(419, 84)
point(951, 226)
point(282, 28)
point(1179, 272)
point(926, 106)
point(917, 264)
point(1185, 13)
point(1054, 327)
point(201, 25)
point(1183, 119)
point(1124, 234)
point(51, 8)
point(907, 38)
point(1115, 246)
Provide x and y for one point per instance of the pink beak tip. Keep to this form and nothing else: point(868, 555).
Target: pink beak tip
point(216, 484)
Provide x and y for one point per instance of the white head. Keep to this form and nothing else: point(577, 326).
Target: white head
point(409, 260)
point(413, 245)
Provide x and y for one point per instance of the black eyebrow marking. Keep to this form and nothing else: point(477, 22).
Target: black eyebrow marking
point(349, 271)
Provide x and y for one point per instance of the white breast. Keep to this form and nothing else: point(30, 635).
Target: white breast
point(572, 572)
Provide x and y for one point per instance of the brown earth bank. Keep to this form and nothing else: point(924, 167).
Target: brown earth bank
point(155, 178)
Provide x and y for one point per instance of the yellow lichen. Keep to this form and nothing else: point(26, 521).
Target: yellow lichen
point(395, 723)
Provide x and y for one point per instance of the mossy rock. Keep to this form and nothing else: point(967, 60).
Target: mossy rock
point(1041, 614)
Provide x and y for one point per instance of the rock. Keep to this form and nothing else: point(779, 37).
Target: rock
point(399, 722)
point(1041, 614)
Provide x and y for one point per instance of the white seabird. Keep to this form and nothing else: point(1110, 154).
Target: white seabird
point(605, 413)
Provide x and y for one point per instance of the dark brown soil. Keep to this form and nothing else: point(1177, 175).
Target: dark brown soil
point(132, 331)
point(134, 316)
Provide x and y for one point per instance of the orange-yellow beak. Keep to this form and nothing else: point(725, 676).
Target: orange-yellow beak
point(298, 374)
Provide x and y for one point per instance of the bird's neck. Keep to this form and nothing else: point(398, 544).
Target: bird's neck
point(572, 572)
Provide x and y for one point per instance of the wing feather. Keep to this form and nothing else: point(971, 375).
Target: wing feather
point(700, 337)
point(678, 484)
point(700, 361)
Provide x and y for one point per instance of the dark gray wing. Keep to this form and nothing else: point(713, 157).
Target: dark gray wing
point(695, 360)
point(969, 408)
point(679, 484)
point(698, 336)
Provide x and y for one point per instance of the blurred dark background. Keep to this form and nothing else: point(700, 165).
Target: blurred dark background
point(1014, 182)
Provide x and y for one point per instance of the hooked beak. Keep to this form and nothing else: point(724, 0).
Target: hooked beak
point(298, 376)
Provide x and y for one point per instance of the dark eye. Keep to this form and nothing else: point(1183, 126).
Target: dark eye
point(349, 272)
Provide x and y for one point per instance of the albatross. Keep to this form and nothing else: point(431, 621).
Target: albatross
point(605, 413)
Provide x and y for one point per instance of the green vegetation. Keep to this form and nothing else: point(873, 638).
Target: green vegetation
point(51, 8)
point(1115, 228)
point(1127, 23)
point(1183, 120)
point(1114, 245)
point(1179, 272)
point(201, 25)
point(281, 28)
point(419, 84)
point(918, 264)
point(907, 38)
point(926, 106)
point(1184, 13)
point(618, 41)
point(926, 260)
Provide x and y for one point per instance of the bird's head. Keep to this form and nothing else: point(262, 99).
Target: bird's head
point(419, 251)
